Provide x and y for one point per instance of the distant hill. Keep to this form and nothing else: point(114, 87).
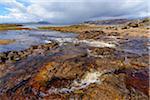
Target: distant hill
point(115, 21)
point(43, 22)
point(108, 22)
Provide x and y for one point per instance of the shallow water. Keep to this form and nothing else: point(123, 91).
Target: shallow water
point(35, 26)
point(135, 45)
point(26, 38)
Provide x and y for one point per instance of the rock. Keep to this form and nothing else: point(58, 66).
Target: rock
point(139, 80)
point(106, 51)
point(68, 71)
point(91, 34)
point(13, 56)
point(133, 25)
point(3, 57)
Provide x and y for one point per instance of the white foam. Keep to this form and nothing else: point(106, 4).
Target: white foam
point(94, 43)
point(89, 78)
point(91, 43)
point(46, 41)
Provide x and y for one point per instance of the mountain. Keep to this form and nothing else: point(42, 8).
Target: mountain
point(116, 21)
point(108, 22)
point(43, 22)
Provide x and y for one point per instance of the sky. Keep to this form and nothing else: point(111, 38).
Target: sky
point(70, 11)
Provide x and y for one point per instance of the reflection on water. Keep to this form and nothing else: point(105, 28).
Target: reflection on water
point(27, 38)
point(35, 26)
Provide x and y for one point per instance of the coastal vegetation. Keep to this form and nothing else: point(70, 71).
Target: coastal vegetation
point(6, 41)
point(4, 27)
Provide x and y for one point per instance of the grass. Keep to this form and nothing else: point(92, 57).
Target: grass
point(4, 27)
point(72, 28)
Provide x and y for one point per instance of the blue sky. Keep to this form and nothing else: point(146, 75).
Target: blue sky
point(24, 2)
point(70, 11)
point(3, 10)
point(3, 6)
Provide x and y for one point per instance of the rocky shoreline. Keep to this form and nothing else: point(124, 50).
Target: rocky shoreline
point(12, 56)
point(101, 64)
point(129, 29)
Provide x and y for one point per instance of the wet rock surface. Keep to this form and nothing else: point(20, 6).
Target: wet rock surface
point(102, 67)
point(65, 74)
point(12, 56)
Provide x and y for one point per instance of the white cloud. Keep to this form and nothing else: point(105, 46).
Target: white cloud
point(17, 12)
point(71, 11)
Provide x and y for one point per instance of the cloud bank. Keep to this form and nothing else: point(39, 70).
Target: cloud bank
point(71, 11)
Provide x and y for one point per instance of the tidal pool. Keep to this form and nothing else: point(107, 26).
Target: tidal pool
point(26, 38)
